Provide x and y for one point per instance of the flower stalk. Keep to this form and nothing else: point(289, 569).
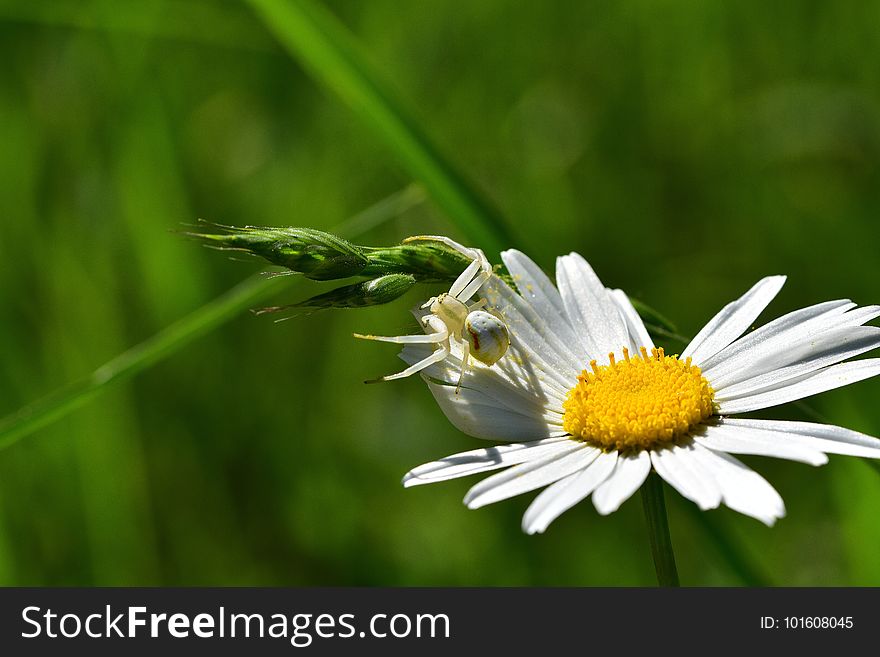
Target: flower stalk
point(654, 507)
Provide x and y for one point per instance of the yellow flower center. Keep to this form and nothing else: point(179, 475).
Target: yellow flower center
point(637, 403)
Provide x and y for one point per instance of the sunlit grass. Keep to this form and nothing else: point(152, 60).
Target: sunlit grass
point(685, 153)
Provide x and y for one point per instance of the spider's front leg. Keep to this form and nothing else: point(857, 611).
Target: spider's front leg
point(473, 276)
point(439, 335)
point(435, 357)
point(465, 357)
point(474, 285)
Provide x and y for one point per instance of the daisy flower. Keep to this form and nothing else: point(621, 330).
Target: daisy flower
point(586, 405)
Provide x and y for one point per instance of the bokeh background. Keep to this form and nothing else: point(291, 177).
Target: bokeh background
point(685, 148)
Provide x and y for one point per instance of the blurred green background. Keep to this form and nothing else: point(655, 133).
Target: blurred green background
point(685, 148)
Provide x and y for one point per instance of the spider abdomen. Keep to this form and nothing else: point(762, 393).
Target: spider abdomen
point(487, 336)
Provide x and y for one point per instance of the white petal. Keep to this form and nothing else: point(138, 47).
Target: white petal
point(779, 326)
point(520, 372)
point(638, 333)
point(482, 460)
point(746, 356)
point(827, 348)
point(531, 281)
point(589, 306)
point(742, 489)
point(526, 326)
point(519, 366)
point(526, 375)
point(723, 437)
point(528, 476)
point(565, 493)
point(538, 290)
point(860, 316)
point(509, 386)
point(804, 386)
point(823, 437)
point(687, 475)
point(733, 320)
point(478, 415)
point(629, 473)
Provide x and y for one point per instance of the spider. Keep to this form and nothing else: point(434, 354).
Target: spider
point(480, 334)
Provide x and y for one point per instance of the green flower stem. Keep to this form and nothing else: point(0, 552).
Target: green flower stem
point(658, 531)
point(323, 45)
point(245, 295)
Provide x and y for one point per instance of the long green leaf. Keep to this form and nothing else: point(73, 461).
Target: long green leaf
point(327, 49)
point(250, 292)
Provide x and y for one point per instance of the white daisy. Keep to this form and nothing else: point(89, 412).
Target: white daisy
point(587, 406)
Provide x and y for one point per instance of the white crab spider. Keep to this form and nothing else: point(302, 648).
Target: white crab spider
point(480, 334)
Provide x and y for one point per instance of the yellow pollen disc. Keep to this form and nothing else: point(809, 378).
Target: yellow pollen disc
point(637, 403)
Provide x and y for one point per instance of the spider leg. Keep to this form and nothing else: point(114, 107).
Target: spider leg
point(435, 357)
point(464, 280)
point(465, 356)
point(473, 287)
point(476, 306)
point(468, 281)
point(438, 332)
point(429, 338)
point(452, 244)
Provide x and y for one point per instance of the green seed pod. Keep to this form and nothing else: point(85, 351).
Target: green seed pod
point(313, 253)
point(374, 292)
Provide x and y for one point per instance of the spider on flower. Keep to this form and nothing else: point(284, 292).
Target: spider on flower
point(479, 333)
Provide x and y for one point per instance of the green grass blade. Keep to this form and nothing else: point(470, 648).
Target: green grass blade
point(220, 24)
point(61, 402)
point(245, 295)
point(325, 47)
